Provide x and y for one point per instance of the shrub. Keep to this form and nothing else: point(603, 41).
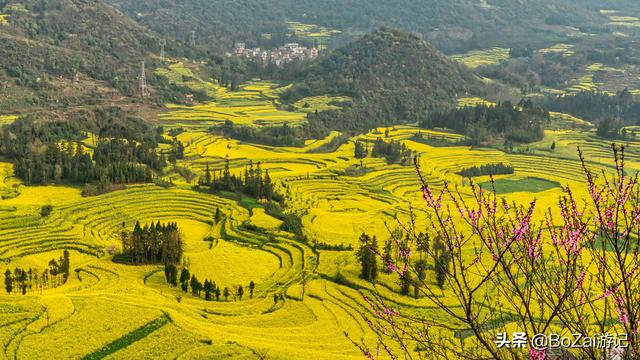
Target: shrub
point(46, 210)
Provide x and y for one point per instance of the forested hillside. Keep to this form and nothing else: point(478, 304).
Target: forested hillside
point(392, 76)
point(57, 53)
point(452, 26)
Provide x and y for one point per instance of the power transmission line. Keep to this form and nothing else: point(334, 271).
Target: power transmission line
point(163, 42)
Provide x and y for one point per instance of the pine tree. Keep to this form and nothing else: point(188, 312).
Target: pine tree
point(66, 264)
point(226, 294)
point(23, 282)
point(360, 150)
point(405, 282)
point(207, 175)
point(421, 272)
point(8, 281)
point(252, 286)
point(195, 285)
point(240, 292)
point(207, 290)
point(367, 256)
point(184, 279)
point(227, 175)
point(218, 215)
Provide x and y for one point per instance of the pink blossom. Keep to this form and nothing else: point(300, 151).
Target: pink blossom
point(532, 251)
point(609, 217)
point(623, 317)
point(607, 293)
point(580, 281)
point(427, 195)
point(474, 216)
point(572, 242)
point(391, 312)
point(476, 261)
point(392, 267)
point(522, 228)
point(537, 354)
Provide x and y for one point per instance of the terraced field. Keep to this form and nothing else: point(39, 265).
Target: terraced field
point(311, 32)
point(6, 119)
point(132, 313)
point(254, 103)
point(477, 58)
point(135, 306)
point(565, 49)
point(321, 103)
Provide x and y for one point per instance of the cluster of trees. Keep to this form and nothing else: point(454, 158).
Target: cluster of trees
point(208, 288)
point(394, 152)
point(69, 162)
point(610, 112)
point(176, 152)
point(283, 135)
point(48, 151)
point(529, 72)
point(439, 141)
point(523, 123)
point(291, 222)
point(332, 247)
point(361, 149)
point(152, 244)
point(487, 169)
point(253, 182)
point(26, 280)
point(396, 252)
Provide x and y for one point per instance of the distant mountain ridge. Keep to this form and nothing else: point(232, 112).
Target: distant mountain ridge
point(450, 25)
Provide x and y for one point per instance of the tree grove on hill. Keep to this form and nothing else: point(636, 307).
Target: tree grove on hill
point(189, 281)
point(393, 151)
point(498, 263)
point(392, 76)
point(361, 149)
point(487, 169)
point(152, 244)
point(53, 151)
point(522, 123)
point(612, 111)
point(283, 135)
point(23, 281)
point(253, 182)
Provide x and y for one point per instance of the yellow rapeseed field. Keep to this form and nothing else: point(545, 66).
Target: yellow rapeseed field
point(131, 312)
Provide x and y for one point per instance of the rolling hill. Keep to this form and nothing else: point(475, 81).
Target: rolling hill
point(59, 53)
point(391, 75)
